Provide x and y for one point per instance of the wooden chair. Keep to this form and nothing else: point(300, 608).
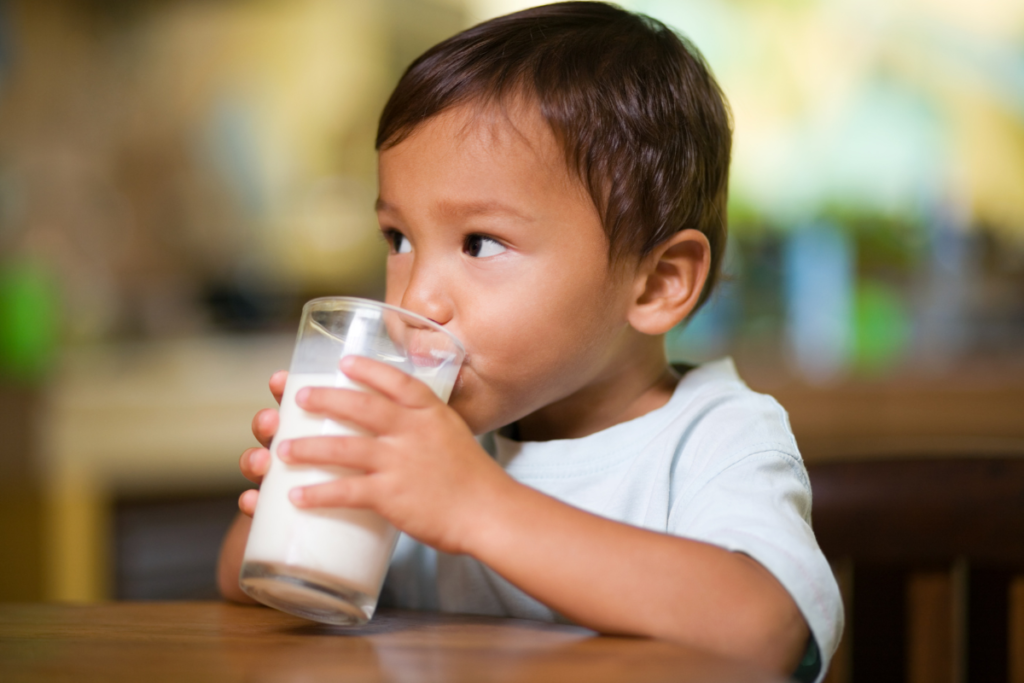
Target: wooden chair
point(929, 553)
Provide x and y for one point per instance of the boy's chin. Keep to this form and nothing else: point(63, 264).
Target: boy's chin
point(464, 406)
point(474, 423)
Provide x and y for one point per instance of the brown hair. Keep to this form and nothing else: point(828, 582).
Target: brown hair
point(642, 120)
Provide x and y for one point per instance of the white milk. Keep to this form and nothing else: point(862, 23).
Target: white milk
point(350, 545)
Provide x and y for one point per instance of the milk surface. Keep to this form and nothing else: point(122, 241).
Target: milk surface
point(352, 545)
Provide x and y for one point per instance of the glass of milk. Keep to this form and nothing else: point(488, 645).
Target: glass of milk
point(328, 564)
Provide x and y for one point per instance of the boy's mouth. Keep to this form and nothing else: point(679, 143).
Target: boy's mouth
point(428, 348)
point(431, 358)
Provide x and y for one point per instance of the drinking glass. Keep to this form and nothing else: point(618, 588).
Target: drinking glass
point(328, 564)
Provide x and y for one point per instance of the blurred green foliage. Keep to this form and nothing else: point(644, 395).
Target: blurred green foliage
point(28, 320)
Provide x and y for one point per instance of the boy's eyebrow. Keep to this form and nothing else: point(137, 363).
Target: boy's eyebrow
point(467, 209)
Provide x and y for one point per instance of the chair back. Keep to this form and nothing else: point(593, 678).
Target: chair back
point(929, 553)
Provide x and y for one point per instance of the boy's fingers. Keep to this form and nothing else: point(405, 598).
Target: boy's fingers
point(254, 463)
point(277, 382)
point(373, 413)
point(247, 501)
point(356, 452)
point(264, 426)
point(391, 382)
point(349, 491)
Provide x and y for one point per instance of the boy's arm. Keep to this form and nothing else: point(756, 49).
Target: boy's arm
point(617, 578)
point(424, 472)
point(254, 463)
point(230, 561)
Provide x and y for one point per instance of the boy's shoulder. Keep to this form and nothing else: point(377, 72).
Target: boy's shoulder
point(714, 396)
point(717, 421)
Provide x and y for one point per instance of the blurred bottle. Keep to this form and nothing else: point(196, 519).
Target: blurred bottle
point(819, 293)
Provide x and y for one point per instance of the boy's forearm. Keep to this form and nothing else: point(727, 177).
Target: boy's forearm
point(230, 562)
point(617, 578)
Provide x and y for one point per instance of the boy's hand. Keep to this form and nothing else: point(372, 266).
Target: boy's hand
point(421, 467)
point(255, 462)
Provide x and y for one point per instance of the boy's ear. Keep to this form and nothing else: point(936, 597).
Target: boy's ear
point(669, 282)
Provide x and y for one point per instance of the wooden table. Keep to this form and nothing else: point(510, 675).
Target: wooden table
point(210, 641)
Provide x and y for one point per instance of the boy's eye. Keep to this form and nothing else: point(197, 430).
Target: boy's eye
point(479, 246)
point(399, 243)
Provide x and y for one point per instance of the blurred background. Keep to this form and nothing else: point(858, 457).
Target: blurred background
point(178, 176)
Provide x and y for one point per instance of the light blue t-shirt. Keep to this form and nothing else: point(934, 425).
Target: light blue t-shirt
point(717, 463)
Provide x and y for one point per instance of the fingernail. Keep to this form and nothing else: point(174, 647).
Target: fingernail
point(302, 396)
point(284, 450)
point(296, 496)
point(346, 362)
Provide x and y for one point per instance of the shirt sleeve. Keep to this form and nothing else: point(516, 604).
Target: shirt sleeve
point(747, 491)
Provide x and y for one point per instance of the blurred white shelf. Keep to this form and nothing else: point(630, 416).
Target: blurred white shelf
point(152, 417)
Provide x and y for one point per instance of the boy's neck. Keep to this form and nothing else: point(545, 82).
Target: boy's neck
point(637, 383)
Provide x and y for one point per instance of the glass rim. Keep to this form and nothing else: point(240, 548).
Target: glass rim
point(359, 301)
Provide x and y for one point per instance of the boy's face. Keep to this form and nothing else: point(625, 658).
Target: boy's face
point(493, 238)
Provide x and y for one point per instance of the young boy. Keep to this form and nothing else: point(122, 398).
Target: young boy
point(552, 188)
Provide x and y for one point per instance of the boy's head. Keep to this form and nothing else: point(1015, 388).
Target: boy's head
point(520, 161)
point(640, 119)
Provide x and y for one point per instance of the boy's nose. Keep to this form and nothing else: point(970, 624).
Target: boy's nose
point(424, 296)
